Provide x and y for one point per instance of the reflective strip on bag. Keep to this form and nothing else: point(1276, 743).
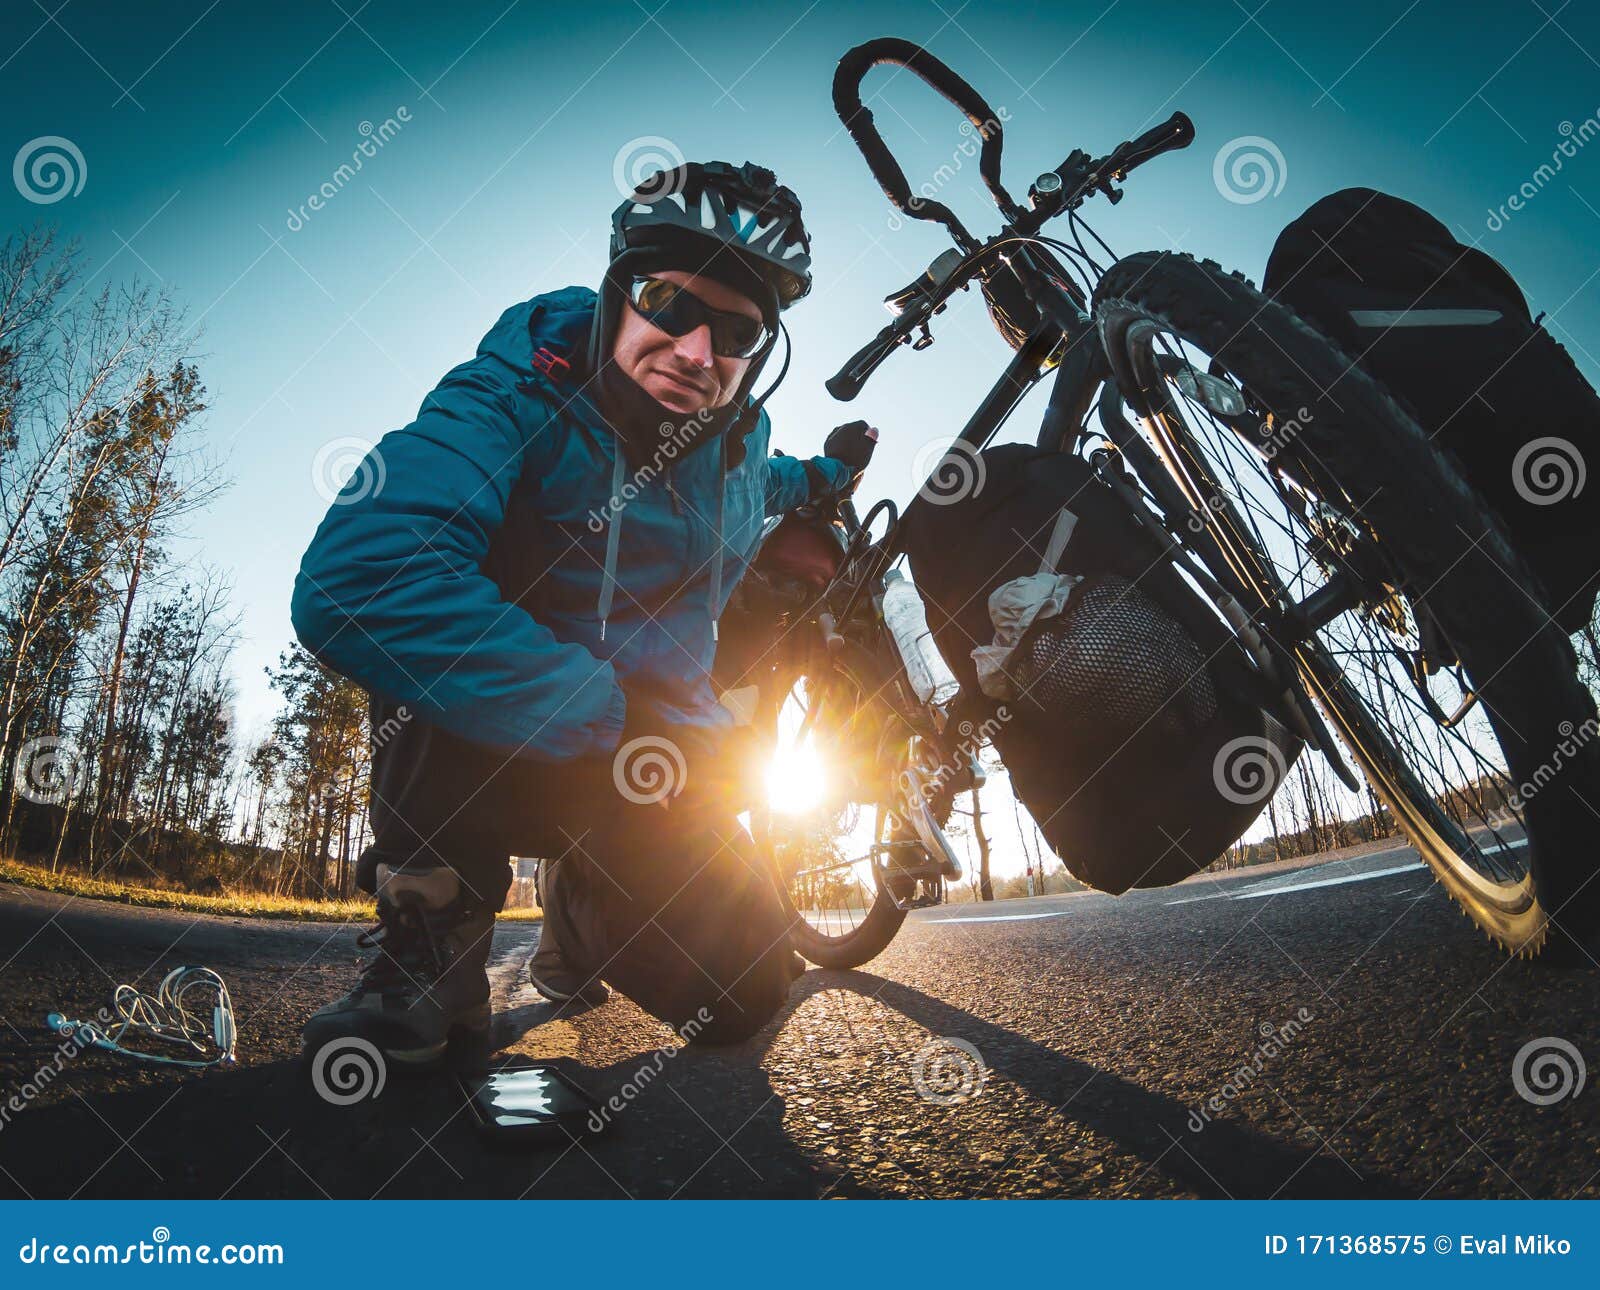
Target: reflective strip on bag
point(1424, 317)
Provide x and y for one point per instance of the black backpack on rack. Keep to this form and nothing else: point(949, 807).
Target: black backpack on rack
point(1446, 330)
point(1131, 729)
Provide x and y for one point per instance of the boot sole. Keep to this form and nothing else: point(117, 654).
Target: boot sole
point(470, 1034)
point(470, 1029)
point(593, 996)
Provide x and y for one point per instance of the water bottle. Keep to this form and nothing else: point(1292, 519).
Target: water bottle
point(908, 624)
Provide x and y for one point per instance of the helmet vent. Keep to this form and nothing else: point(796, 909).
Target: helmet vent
point(744, 210)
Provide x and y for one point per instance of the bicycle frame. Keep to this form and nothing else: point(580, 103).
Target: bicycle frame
point(1066, 340)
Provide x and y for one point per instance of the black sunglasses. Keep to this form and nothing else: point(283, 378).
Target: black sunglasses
point(678, 311)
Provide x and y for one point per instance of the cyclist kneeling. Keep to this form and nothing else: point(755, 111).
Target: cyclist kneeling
point(530, 593)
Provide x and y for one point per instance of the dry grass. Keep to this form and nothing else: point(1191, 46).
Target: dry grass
point(247, 904)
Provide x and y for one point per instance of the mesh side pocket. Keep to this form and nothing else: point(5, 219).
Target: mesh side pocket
point(1111, 665)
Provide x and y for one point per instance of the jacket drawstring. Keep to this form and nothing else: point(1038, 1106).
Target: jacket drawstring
point(608, 579)
point(716, 562)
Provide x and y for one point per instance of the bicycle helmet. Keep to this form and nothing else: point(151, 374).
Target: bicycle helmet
point(703, 209)
point(737, 225)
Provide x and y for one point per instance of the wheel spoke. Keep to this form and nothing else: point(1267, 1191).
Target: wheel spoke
point(1459, 772)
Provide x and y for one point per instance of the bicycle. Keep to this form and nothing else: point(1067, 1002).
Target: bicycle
point(1345, 553)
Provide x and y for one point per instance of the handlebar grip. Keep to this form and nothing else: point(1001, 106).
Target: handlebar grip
point(847, 79)
point(1177, 131)
point(846, 383)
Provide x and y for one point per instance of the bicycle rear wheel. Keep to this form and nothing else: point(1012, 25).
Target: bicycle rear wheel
point(1314, 498)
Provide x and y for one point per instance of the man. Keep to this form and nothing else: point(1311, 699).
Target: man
point(527, 580)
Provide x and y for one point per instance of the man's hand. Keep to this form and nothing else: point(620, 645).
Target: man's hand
point(852, 443)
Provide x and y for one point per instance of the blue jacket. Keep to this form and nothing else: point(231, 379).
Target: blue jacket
point(462, 570)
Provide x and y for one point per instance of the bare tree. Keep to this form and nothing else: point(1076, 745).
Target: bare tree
point(985, 883)
point(156, 486)
point(324, 733)
point(72, 368)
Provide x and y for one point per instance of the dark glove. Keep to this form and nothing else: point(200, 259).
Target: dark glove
point(851, 443)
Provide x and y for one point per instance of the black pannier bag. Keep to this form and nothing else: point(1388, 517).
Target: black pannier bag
point(1129, 724)
point(1446, 330)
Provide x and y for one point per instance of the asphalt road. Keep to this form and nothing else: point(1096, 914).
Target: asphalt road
point(1376, 1029)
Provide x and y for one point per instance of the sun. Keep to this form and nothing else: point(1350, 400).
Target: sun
point(796, 780)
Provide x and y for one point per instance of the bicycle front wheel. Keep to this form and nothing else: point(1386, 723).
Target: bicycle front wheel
point(853, 863)
point(1390, 584)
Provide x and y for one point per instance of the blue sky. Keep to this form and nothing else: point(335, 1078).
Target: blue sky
point(203, 125)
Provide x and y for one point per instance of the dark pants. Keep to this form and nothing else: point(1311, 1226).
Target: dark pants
point(674, 907)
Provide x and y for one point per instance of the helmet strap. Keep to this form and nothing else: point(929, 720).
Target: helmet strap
point(733, 425)
point(751, 413)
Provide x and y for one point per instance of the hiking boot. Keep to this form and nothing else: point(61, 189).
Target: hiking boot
point(552, 975)
point(428, 979)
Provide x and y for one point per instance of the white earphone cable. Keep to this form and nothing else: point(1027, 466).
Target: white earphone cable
point(167, 1016)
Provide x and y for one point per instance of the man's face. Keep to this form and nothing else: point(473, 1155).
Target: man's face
point(683, 372)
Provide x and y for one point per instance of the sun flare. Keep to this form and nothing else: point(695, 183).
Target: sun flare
point(796, 780)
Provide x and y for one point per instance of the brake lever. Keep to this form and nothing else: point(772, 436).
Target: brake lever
point(926, 284)
point(912, 306)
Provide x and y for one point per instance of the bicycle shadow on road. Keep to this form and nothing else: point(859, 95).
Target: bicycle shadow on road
point(1228, 1159)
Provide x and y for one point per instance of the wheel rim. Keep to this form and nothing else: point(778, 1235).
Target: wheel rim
point(1452, 782)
